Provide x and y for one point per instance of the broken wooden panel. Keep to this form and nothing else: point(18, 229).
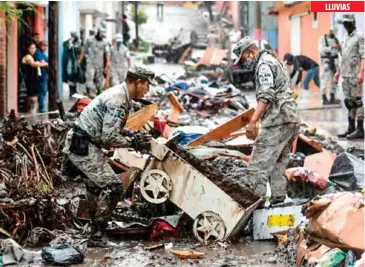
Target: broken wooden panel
point(176, 109)
point(223, 131)
point(307, 145)
point(320, 163)
point(138, 119)
point(212, 56)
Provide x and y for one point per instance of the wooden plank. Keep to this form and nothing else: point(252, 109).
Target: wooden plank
point(240, 141)
point(238, 133)
point(175, 102)
point(224, 130)
point(176, 109)
point(138, 119)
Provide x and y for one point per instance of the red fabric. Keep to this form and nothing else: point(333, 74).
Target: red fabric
point(81, 104)
point(162, 229)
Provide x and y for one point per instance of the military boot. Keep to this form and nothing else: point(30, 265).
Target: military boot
point(325, 100)
point(359, 133)
point(333, 100)
point(349, 130)
point(72, 90)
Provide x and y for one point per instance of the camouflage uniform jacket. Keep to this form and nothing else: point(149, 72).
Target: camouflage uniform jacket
point(352, 53)
point(119, 58)
point(325, 49)
point(105, 117)
point(273, 88)
point(96, 50)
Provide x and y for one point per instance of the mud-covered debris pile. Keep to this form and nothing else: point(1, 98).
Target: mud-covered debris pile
point(30, 160)
point(232, 180)
point(287, 253)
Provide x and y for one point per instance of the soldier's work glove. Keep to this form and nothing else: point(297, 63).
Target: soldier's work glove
point(141, 142)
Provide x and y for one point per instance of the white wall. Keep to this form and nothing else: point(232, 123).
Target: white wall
point(71, 18)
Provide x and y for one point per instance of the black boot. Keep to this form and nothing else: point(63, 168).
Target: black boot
point(349, 130)
point(333, 100)
point(325, 100)
point(72, 90)
point(359, 133)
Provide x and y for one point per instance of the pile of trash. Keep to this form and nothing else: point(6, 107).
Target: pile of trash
point(193, 178)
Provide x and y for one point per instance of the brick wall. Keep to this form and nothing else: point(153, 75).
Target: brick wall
point(3, 65)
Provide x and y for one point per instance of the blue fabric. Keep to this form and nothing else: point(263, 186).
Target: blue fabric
point(312, 74)
point(185, 138)
point(42, 95)
point(39, 56)
point(181, 85)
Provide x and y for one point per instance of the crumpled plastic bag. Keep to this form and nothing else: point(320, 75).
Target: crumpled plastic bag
point(348, 172)
point(62, 255)
point(300, 175)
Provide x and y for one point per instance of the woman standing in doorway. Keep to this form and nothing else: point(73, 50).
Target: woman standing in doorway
point(32, 72)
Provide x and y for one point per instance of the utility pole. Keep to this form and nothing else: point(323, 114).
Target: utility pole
point(136, 21)
point(53, 56)
point(258, 34)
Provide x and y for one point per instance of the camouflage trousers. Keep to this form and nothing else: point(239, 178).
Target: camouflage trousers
point(351, 89)
point(95, 80)
point(104, 190)
point(327, 79)
point(118, 75)
point(270, 157)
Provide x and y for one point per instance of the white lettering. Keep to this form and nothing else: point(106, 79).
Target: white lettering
point(337, 7)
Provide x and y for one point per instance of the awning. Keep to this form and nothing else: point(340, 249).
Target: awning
point(39, 3)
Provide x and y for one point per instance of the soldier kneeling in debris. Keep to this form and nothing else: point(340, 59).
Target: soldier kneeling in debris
point(100, 126)
point(278, 114)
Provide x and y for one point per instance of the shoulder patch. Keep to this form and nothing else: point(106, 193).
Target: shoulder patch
point(121, 113)
point(265, 76)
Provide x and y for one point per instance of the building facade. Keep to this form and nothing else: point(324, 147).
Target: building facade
point(15, 33)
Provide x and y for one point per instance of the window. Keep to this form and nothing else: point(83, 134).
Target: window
point(315, 20)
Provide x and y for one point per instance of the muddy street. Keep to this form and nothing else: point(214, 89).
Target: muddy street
point(180, 133)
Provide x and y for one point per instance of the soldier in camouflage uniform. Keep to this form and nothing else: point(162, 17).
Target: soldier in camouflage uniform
point(329, 48)
point(352, 73)
point(100, 127)
point(120, 60)
point(278, 114)
point(97, 51)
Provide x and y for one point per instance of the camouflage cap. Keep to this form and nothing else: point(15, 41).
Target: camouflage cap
point(241, 46)
point(142, 72)
point(348, 17)
point(102, 30)
point(73, 34)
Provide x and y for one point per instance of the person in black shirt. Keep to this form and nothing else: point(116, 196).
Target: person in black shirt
point(126, 29)
point(305, 63)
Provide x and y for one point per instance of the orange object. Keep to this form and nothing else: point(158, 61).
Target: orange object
point(320, 163)
point(224, 130)
point(176, 109)
point(182, 254)
point(81, 104)
point(212, 57)
point(138, 119)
